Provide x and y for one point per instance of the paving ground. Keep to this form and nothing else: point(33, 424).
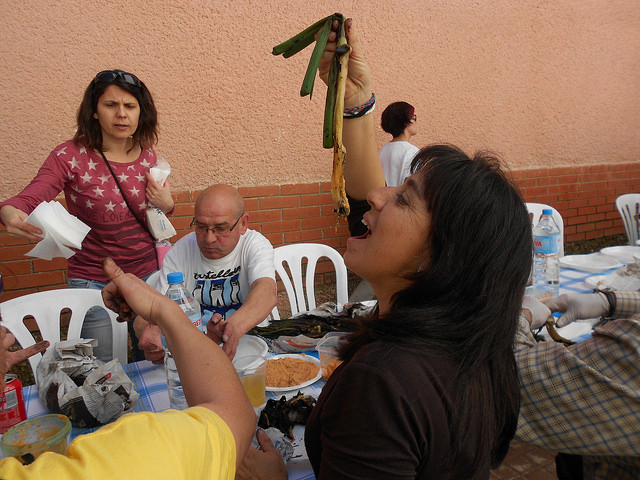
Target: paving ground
point(526, 462)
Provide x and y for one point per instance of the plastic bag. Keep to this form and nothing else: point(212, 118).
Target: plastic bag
point(71, 381)
point(158, 223)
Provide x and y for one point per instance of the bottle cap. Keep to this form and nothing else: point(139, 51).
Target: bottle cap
point(175, 277)
point(547, 211)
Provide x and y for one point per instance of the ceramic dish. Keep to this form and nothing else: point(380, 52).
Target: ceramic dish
point(622, 253)
point(593, 262)
point(307, 358)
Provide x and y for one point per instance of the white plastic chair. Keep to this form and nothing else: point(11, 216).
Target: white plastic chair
point(536, 210)
point(45, 307)
point(301, 290)
point(628, 206)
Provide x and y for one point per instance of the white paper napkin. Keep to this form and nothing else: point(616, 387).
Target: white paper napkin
point(61, 231)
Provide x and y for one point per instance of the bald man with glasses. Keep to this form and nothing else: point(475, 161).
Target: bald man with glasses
point(227, 267)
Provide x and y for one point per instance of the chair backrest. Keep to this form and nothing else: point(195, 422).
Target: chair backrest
point(536, 210)
point(628, 206)
point(46, 307)
point(301, 291)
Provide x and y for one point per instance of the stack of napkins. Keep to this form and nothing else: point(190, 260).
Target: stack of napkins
point(61, 231)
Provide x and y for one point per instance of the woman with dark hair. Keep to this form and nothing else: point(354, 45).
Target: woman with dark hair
point(103, 172)
point(428, 387)
point(399, 120)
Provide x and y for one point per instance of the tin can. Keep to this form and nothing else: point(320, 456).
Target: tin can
point(12, 409)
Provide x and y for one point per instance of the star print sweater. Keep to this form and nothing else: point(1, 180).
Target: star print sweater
point(92, 195)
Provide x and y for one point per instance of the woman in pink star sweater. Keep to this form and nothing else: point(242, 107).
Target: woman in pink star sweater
point(110, 155)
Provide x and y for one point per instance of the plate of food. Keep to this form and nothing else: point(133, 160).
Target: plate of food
point(622, 253)
point(291, 371)
point(592, 262)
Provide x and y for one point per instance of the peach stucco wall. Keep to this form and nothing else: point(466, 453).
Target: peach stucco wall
point(545, 83)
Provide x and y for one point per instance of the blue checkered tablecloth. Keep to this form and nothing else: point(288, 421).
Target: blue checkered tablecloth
point(574, 281)
point(150, 382)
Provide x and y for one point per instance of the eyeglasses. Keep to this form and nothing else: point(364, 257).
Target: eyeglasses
point(414, 118)
point(218, 230)
point(109, 76)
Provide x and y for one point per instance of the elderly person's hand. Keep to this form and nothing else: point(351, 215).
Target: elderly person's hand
point(159, 196)
point(221, 331)
point(127, 295)
point(536, 312)
point(150, 342)
point(9, 359)
point(576, 306)
point(262, 465)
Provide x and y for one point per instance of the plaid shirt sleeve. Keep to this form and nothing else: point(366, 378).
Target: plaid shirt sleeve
point(583, 399)
point(627, 304)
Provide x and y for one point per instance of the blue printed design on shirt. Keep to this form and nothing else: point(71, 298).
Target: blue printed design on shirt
point(219, 295)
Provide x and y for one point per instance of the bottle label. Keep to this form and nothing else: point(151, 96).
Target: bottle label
point(196, 319)
point(546, 244)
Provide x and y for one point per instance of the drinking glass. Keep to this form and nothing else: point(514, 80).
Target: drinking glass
point(252, 370)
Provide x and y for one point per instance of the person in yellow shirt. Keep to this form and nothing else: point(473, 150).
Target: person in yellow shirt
point(206, 441)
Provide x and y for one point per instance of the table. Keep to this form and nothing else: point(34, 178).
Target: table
point(573, 281)
point(150, 382)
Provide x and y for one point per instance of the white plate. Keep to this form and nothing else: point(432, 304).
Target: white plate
point(593, 262)
point(307, 358)
point(622, 253)
point(251, 345)
point(596, 281)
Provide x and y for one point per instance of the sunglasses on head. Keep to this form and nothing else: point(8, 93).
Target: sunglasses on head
point(109, 76)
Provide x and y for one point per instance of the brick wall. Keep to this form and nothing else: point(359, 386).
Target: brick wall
point(584, 195)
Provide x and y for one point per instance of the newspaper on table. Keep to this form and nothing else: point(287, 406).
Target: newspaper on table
point(73, 382)
point(280, 441)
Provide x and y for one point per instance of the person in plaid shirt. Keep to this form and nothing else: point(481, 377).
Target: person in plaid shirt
point(584, 399)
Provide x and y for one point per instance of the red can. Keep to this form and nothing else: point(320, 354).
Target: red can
point(12, 409)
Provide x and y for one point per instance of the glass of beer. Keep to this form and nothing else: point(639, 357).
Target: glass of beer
point(252, 370)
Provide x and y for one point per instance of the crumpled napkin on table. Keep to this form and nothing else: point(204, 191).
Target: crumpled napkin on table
point(61, 231)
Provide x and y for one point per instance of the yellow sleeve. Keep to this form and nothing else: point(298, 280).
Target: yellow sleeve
point(190, 444)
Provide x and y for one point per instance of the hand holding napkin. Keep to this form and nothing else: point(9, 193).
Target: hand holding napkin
point(61, 231)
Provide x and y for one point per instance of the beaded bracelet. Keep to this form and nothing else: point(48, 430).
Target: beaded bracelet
point(360, 110)
point(363, 112)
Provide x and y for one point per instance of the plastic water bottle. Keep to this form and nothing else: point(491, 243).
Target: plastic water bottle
point(546, 245)
point(178, 293)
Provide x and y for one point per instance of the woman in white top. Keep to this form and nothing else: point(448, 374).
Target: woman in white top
point(399, 120)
